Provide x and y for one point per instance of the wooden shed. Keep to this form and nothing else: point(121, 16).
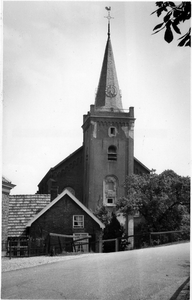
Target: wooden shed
point(67, 219)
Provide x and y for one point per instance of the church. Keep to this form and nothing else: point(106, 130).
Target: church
point(92, 176)
point(95, 172)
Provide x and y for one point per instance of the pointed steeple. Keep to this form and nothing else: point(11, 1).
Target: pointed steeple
point(108, 95)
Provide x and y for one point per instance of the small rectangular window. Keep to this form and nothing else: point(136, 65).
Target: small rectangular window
point(110, 200)
point(78, 221)
point(112, 131)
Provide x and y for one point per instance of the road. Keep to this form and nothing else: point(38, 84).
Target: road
point(151, 273)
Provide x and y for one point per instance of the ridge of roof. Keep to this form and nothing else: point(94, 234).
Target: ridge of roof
point(66, 192)
point(29, 195)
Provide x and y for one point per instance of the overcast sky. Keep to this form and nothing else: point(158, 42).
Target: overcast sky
point(53, 53)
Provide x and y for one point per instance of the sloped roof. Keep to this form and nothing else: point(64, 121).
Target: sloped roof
point(21, 209)
point(68, 157)
point(59, 197)
point(108, 94)
point(5, 180)
point(141, 164)
point(6, 185)
point(62, 162)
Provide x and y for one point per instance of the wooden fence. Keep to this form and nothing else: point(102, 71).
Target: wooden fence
point(150, 239)
point(59, 243)
point(53, 244)
point(23, 247)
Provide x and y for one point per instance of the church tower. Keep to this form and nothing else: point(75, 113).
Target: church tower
point(108, 139)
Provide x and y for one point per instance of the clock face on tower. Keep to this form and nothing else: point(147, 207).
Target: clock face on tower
point(111, 91)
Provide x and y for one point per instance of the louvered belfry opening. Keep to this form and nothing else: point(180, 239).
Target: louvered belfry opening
point(112, 153)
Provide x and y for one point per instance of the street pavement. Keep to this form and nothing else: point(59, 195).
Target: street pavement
point(151, 273)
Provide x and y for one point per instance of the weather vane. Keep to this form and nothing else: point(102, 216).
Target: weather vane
point(108, 8)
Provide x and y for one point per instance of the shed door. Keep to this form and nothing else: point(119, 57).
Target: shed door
point(83, 245)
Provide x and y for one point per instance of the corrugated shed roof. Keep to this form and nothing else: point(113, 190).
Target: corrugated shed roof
point(21, 209)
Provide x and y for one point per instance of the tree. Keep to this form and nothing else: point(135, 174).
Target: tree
point(102, 214)
point(163, 200)
point(112, 230)
point(174, 15)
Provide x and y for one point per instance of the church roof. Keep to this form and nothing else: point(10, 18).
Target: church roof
point(79, 150)
point(108, 94)
point(136, 161)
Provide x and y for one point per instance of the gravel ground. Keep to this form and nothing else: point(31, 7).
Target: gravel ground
point(27, 262)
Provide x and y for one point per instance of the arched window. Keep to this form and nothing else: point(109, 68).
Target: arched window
point(112, 153)
point(110, 190)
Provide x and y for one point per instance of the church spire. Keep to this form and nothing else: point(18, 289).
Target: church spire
point(108, 95)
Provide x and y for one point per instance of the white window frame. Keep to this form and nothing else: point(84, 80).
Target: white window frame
point(76, 220)
point(110, 203)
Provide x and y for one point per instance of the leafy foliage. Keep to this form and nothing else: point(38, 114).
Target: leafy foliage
point(173, 16)
point(163, 200)
point(112, 230)
point(103, 215)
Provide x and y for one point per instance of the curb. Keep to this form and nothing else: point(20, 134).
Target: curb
point(183, 292)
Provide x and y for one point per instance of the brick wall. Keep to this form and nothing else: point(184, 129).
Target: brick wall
point(59, 219)
point(68, 173)
point(72, 176)
point(5, 216)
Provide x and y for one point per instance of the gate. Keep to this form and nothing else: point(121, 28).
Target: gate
point(18, 247)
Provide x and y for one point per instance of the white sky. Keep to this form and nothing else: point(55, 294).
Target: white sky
point(53, 53)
